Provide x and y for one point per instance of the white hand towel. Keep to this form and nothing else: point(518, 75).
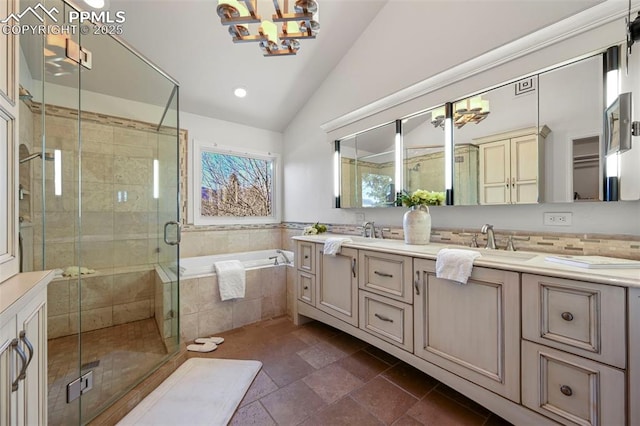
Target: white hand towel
point(455, 264)
point(231, 279)
point(332, 245)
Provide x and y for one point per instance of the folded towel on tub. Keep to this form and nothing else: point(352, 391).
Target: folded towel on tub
point(231, 279)
point(332, 245)
point(455, 264)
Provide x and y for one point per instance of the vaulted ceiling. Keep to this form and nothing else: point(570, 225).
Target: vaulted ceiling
point(186, 39)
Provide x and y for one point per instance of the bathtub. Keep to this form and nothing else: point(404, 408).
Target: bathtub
point(192, 267)
point(269, 292)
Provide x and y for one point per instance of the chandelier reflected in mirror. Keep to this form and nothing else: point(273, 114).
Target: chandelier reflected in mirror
point(470, 110)
point(301, 23)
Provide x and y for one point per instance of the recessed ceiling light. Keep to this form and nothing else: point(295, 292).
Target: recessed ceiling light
point(240, 92)
point(96, 4)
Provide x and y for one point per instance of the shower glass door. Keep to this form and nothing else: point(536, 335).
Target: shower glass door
point(94, 207)
point(128, 143)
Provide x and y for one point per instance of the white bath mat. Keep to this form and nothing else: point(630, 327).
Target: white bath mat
point(200, 392)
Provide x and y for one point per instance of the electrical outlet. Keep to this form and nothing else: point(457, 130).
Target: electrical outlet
point(557, 218)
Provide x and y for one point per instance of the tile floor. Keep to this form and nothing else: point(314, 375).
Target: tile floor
point(317, 375)
point(118, 356)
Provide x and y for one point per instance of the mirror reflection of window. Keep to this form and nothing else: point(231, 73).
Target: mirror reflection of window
point(367, 168)
point(423, 140)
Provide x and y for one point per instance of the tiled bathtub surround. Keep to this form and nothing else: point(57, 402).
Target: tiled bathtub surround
point(202, 313)
point(623, 246)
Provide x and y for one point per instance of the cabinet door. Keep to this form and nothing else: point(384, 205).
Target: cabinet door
point(524, 169)
point(337, 284)
point(8, 371)
point(570, 389)
point(8, 211)
point(8, 147)
point(33, 339)
point(495, 173)
point(471, 330)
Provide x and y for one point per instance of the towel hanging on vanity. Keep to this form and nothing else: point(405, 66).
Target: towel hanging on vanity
point(231, 279)
point(332, 245)
point(455, 264)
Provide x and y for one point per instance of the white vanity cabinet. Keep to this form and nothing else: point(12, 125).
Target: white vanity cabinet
point(23, 350)
point(562, 348)
point(472, 330)
point(337, 284)
point(574, 350)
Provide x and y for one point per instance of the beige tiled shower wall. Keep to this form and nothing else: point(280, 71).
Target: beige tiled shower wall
point(105, 300)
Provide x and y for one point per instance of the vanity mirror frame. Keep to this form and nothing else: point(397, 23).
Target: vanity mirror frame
point(449, 138)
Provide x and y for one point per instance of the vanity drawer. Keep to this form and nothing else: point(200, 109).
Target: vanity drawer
point(306, 287)
point(571, 389)
point(583, 318)
point(386, 274)
point(306, 257)
point(387, 319)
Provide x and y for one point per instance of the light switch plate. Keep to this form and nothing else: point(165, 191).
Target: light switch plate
point(557, 218)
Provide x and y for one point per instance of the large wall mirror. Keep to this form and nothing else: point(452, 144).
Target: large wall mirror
point(536, 139)
point(423, 156)
point(367, 168)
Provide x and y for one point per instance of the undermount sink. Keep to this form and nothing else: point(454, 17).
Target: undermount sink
point(506, 255)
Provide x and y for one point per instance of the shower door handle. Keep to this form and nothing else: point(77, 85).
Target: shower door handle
point(178, 233)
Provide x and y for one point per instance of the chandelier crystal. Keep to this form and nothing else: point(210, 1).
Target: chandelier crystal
point(301, 23)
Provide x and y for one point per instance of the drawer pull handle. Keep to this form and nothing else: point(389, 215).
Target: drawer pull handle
point(306, 256)
point(383, 274)
point(416, 283)
point(383, 318)
point(306, 287)
point(353, 267)
point(23, 337)
point(566, 390)
point(23, 364)
point(567, 316)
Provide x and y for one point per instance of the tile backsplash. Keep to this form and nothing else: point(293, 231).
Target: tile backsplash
point(622, 246)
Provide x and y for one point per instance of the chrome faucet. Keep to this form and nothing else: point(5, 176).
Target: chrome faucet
point(491, 239)
point(286, 258)
point(372, 230)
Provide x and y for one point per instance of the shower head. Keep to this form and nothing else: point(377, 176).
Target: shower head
point(47, 157)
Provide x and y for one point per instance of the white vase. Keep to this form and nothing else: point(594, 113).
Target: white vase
point(417, 225)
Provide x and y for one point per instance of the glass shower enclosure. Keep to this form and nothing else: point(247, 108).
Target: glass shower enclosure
point(99, 143)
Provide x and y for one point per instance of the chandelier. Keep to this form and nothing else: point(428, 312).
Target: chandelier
point(301, 24)
point(470, 110)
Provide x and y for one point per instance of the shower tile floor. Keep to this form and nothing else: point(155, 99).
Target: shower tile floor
point(317, 375)
point(117, 355)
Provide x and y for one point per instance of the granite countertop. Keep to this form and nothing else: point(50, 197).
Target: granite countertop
point(520, 261)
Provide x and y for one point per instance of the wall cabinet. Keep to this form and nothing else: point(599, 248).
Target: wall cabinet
point(472, 329)
point(23, 356)
point(512, 167)
point(8, 148)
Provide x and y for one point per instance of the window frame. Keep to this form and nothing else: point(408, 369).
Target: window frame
point(198, 219)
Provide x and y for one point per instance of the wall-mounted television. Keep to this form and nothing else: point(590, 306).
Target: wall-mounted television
point(617, 125)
